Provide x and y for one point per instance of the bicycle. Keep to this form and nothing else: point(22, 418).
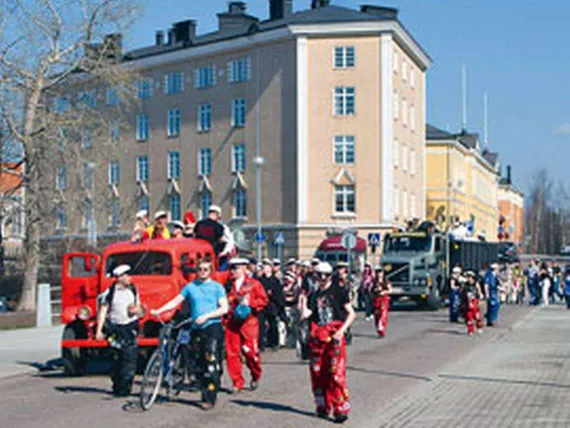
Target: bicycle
point(167, 366)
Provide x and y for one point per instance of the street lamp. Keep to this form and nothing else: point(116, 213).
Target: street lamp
point(258, 162)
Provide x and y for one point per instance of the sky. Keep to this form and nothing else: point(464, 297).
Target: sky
point(515, 50)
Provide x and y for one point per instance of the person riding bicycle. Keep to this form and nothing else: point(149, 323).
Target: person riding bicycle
point(207, 303)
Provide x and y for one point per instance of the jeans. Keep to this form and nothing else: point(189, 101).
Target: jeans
point(206, 343)
point(124, 357)
point(367, 297)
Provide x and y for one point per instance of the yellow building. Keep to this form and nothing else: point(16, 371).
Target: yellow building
point(461, 181)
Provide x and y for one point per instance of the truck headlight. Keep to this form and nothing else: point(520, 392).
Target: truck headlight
point(84, 313)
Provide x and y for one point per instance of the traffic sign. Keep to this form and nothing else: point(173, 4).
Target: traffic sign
point(373, 239)
point(279, 238)
point(259, 237)
point(348, 241)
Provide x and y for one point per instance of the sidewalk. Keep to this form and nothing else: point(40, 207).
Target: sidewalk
point(520, 379)
point(20, 349)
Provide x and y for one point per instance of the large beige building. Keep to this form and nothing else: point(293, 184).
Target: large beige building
point(333, 99)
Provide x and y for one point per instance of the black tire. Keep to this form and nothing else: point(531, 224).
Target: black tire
point(178, 376)
point(74, 359)
point(151, 381)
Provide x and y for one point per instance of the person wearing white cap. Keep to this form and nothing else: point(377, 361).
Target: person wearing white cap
point(141, 223)
point(210, 229)
point(492, 293)
point(330, 314)
point(246, 298)
point(454, 294)
point(177, 230)
point(159, 230)
point(471, 294)
point(118, 320)
point(380, 291)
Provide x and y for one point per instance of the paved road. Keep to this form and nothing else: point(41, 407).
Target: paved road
point(420, 347)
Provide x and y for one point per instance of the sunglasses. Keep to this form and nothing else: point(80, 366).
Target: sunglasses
point(323, 275)
point(206, 269)
point(234, 267)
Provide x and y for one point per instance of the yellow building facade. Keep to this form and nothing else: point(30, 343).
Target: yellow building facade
point(461, 182)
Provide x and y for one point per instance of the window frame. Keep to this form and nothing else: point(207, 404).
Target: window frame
point(144, 88)
point(173, 82)
point(202, 161)
point(204, 117)
point(61, 214)
point(343, 145)
point(205, 204)
point(173, 123)
point(173, 170)
point(239, 160)
point(142, 127)
point(114, 172)
point(346, 60)
point(175, 214)
point(239, 213)
point(239, 112)
point(344, 191)
point(341, 98)
point(139, 170)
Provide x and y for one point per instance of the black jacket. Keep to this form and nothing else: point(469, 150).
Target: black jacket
point(275, 294)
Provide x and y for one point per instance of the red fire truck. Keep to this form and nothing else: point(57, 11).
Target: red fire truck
point(160, 268)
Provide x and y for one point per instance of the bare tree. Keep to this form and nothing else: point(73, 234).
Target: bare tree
point(65, 91)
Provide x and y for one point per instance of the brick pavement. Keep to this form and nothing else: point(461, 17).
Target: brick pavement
point(521, 378)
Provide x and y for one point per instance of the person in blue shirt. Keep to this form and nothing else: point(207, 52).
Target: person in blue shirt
point(492, 292)
point(207, 304)
point(567, 285)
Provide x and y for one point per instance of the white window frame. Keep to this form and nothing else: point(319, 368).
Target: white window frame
point(412, 162)
point(111, 96)
point(396, 105)
point(396, 201)
point(115, 213)
point(404, 70)
point(173, 165)
point(395, 65)
point(205, 161)
point(175, 211)
point(204, 117)
point(173, 125)
point(205, 203)
point(405, 211)
point(412, 77)
point(61, 217)
point(86, 99)
point(239, 112)
point(346, 60)
point(239, 70)
point(239, 158)
point(413, 118)
point(88, 175)
point(174, 82)
point(205, 77)
point(413, 207)
point(240, 210)
point(341, 97)
point(404, 158)
point(396, 153)
point(344, 145)
point(115, 132)
point(144, 203)
point(344, 191)
point(61, 178)
point(144, 89)
point(139, 170)
point(114, 174)
point(86, 139)
point(142, 127)
point(404, 112)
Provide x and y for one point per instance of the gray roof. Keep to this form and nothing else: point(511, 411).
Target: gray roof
point(325, 14)
point(433, 133)
point(468, 139)
point(491, 157)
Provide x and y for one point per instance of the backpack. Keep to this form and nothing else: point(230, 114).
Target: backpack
point(111, 294)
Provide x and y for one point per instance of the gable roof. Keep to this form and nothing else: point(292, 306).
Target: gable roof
point(10, 177)
point(433, 133)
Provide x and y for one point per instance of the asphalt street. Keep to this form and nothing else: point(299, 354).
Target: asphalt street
point(382, 374)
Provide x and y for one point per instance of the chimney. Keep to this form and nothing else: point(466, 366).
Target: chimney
point(236, 7)
point(379, 11)
point(315, 4)
point(113, 46)
point(159, 38)
point(509, 174)
point(279, 9)
point(184, 31)
point(236, 20)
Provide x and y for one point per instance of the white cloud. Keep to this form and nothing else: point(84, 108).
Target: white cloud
point(562, 129)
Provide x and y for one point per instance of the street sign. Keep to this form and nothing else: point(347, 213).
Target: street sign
point(373, 239)
point(279, 238)
point(348, 241)
point(259, 237)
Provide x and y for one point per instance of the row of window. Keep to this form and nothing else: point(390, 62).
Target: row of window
point(406, 69)
point(408, 209)
point(408, 159)
point(405, 112)
point(204, 119)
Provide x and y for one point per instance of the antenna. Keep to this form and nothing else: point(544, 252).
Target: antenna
point(464, 96)
point(485, 119)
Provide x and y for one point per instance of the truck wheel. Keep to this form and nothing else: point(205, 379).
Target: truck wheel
point(74, 359)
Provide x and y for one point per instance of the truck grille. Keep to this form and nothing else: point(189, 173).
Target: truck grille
point(399, 272)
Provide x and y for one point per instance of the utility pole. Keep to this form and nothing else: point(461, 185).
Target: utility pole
point(485, 120)
point(258, 160)
point(464, 96)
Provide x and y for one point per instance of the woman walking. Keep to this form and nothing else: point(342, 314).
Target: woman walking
point(381, 291)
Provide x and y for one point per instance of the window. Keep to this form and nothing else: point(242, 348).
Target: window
point(204, 117)
point(142, 127)
point(115, 132)
point(60, 104)
point(111, 97)
point(88, 217)
point(404, 71)
point(239, 70)
point(412, 77)
point(86, 99)
point(114, 173)
point(61, 217)
point(344, 149)
point(344, 199)
point(144, 89)
point(404, 112)
point(396, 197)
point(412, 162)
point(396, 105)
point(404, 158)
point(405, 212)
point(240, 203)
point(86, 139)
point(412, 205)
point(115, 217)
point(173, 123)
point(413, 117)
point(144, 203)
point(173, 164)
point(344, 100)
point(396, 153)
point(88, 171)
point(61, 181)
point(62, 139)
point(396, 65)
point(174, 204)
point(344, 56)
point(238, 158)
point(205, 161)
point(238, 112)
point(173, 83)
point(142, 168)
point(205, 77)
point(142, 262)
point(205, 202)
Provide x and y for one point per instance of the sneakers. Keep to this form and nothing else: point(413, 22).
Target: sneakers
point(236, 390)
point(480, 331)
point(206, 405)
point(322, 414)
point(254, 385)
point(340, 419)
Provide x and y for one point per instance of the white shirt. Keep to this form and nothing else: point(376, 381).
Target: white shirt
point(239, 283)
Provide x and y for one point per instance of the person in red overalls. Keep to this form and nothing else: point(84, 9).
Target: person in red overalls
point(381, 290)
point(330, 314)
point(246, 298)
point(471, 294)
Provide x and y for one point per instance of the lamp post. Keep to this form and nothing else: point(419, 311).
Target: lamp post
point(258, 162)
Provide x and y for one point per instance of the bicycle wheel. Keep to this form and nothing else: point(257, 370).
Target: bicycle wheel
point(152, 380)
point(175, 385)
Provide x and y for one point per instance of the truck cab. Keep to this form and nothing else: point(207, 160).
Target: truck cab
point(159, 270)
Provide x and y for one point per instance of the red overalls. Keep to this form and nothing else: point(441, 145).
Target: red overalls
point(243, 338)
point(381, 306)
point(328, 369)
point(473, 315)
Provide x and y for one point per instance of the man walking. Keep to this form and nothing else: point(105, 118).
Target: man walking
point(208, 303)
point(118, 321)
point(454, 294)
point(246, 298)
point(269, 317)
point(492, 293)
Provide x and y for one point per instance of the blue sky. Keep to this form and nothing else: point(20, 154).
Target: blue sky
point(516, 50)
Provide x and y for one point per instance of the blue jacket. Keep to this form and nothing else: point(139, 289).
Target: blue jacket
point(493, 283)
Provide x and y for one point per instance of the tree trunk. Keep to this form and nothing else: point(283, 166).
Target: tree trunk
point(32, 250)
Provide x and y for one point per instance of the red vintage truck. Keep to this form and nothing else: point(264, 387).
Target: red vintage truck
point(159, 268)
